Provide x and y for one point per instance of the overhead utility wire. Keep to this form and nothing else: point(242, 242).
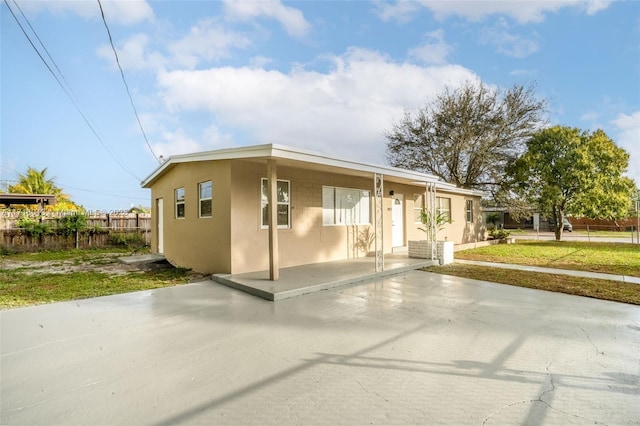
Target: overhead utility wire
point(43, 46)
point(104, 193)
point(124, 80)
point(66, 91)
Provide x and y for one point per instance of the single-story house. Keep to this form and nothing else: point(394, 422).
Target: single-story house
point(211, 211)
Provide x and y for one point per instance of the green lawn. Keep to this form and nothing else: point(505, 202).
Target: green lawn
point(36, 278)
point(612, 258)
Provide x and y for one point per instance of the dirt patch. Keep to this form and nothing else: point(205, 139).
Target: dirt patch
point(107, 264)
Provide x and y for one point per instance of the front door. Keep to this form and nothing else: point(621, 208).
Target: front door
point(160, 215)
point(397, 220)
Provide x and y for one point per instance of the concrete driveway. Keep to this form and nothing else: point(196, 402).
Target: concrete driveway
point(416, 348)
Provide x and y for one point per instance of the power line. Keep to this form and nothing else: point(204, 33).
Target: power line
point(124, 80)
point(64, 186)
point(104, 193)
point(64, 88)
point(42, 44)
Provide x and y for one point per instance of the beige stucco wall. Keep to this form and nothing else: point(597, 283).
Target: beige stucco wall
point(197, 243)
point(232, 241)
point(307, 241)
point(458, 231)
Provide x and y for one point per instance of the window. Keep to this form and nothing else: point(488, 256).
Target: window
point(443, 207)
point(469, 210)
point(284, 206)
point(345, 206)
point(418, 205)
point(206, 191)
point(180, 203)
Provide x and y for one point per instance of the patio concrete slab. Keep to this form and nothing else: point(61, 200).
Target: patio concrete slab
point(141, 258)
point(412, 348)
point(306, 279)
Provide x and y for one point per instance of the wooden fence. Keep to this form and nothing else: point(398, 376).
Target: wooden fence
point(103, 229)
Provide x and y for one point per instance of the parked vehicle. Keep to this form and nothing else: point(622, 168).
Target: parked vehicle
point(566, 225)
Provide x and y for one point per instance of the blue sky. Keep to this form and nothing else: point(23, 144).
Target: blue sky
point(327, 76)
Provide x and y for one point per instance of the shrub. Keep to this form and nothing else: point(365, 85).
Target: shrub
point(69, 225)
point(498, 234)
point(126, 239)
point(32, 227)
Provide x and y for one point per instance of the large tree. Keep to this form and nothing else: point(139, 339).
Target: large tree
point(570, 171)
point(467, 136)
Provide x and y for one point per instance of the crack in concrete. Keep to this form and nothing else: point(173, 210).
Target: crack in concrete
point(529, 401)
point(598, 352)
point(372, 393)
point(513, 404)
point(540, 400)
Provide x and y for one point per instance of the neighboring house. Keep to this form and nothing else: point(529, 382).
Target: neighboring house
point(210, 209)
point(40, 200)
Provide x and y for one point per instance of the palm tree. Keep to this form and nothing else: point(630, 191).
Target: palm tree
point(35, 182)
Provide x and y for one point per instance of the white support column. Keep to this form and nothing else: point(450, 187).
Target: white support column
point(272, 199)
point(378, 219)
point(432, 229)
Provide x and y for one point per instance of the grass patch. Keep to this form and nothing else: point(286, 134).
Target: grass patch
point(610, 258)
point(589, 287)
point(18, 289)
point(37, 284)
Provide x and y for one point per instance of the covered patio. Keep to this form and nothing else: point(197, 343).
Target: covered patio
point(305, 279)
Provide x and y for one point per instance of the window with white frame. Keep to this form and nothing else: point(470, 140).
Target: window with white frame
point(469, 210)
point(345, 206)
point(418, 205)
point(179, 203)
point(443, 207)
point(205, 189)
point(283, 201)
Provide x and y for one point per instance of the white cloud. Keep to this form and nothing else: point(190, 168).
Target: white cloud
point(434, 51)
point(260, 61)
point(127, 12)
point(208, 41)
point(524, 72)
point(116, 11)
point(401, 11)
point(628, 137)
point(508, 43)
point(174, 143)
point(180, 142)
point(595, 6)
point(590, 116)
point(290, 18)
point(344, 111)
point(523, 11)
point(133, 54)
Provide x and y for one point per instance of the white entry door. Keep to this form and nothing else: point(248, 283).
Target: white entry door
point(160, 215)
point(397, 220)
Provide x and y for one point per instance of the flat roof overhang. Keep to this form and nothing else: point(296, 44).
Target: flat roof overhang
point(293, 157)
point(42, 199)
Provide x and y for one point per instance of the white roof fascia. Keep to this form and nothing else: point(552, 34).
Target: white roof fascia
point(220, 154)
point(295, 154)
point(280, 151)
